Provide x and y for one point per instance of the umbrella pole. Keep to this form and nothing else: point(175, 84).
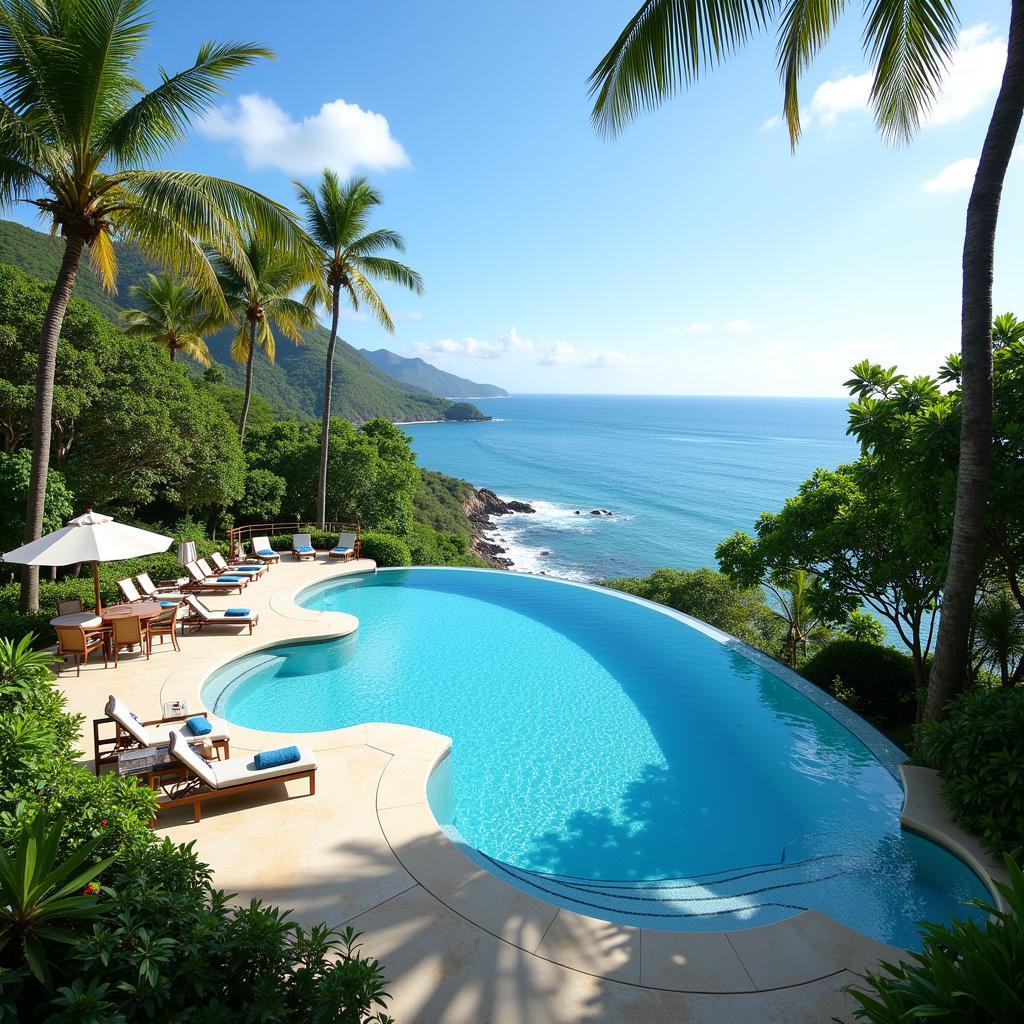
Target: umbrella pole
point(96, 584)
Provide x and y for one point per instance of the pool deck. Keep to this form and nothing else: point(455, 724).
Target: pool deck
point(457, 943)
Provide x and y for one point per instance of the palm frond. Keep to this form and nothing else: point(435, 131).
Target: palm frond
point(392, 271)
point(240, 344)
point(910, 46)
point(367, 294)
point(104, 260)
point(376, 242)
point(804, 29)
point(664, 47)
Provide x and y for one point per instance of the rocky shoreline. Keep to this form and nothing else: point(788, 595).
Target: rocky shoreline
point(481, 507)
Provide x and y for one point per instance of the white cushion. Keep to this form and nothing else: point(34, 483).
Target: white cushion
point(236, 771)
point(120, 714)
point(190, 759)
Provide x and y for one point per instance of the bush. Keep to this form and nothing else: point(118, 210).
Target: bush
point(967, 973)
point(321, 541)
point(877, 682)
point(978, 749)
point(386, 550)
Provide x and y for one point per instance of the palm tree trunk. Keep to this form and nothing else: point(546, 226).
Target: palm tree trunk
point(248, 381)
point(42, 424)
point(325, 429)
point(967, 551)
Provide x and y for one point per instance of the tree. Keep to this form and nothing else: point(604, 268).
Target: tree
point(15, 473)
point(668, 43)
point(999, 634)
point(170, 313)
point(799, 601)
point(78, 138)
point(337, 219)
point(257, 291)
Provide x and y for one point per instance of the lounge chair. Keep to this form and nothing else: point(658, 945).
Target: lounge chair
point(199, 615)
point(302, 546)
point(127, 632)
point(70, 607)
point(346, 548)
point(262, 550)
point(206, 780)
point(211, 581)
point(158, 592)
point(80, 643)
point(131, 732)
point(208, 570)
point(255, 571)
point(128, 591)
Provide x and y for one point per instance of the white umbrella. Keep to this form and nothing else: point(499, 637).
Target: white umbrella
point(91, 537)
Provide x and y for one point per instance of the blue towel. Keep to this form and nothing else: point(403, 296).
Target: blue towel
point(229, 579)
point(199, 725)
point(168, 604)
point(237, 611)
point(274, 758)
point(340, 551)
point(245, 568)
point(266, 551)
point(303, 548)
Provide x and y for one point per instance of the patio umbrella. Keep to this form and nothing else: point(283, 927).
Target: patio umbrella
point(90, 537)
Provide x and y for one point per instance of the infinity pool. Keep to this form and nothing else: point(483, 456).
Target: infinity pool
point(612, 757)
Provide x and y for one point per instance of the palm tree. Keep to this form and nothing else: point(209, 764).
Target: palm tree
point(337, 217)
point(999, 633)
point(668, 43)
point(78, 138)
point(170, 313)
point(797, 595)
point(257, 292)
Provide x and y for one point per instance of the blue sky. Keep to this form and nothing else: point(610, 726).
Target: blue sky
point(694, 254)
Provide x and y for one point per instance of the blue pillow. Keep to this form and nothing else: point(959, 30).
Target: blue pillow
point(199, 725)
point(340, 551)
point(274, 758)
point(237, 611)
point(266, 551)
point(229, 579)
point(303, 547)
point(168, 604)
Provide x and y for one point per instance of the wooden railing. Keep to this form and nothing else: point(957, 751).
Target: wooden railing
point(238, 535)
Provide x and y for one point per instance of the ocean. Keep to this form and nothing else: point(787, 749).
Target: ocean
point(677, 474)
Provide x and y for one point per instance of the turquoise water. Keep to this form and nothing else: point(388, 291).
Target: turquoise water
point(680, 473)
point(611, 757)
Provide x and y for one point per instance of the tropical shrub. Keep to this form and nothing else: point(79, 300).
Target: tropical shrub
point(386, 550)
point(978, 749)
point(877, 682)
point(968, 972)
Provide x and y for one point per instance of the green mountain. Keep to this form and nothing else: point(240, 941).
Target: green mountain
point(422, 375)
point(293, 385)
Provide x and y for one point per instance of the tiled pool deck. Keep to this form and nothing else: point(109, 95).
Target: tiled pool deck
point(459, 944)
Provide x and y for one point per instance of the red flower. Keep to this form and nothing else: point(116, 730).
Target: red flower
point(91, 889)
point(103, 822)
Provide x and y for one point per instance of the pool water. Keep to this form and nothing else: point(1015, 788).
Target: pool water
point(611, 757)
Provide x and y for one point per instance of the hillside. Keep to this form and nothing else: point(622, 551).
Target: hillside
point(294, 385)
point(420, 374)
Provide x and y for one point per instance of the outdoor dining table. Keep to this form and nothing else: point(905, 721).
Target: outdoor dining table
point(87, 620)
point(145, 610)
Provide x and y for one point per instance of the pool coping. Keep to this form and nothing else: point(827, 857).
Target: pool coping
point(802, 949)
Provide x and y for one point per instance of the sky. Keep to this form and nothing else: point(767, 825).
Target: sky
point(694, 254)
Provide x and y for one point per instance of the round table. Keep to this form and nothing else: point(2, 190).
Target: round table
point(145, 610)
point(87, 620)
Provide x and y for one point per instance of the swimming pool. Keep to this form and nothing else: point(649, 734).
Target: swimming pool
point(612, 757)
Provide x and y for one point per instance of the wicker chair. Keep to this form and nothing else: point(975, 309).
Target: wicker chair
point(165, 624)
point(127, 632)
point(70, 607)
point(80, 643)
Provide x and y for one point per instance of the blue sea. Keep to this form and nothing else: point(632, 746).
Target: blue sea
point(678, 474)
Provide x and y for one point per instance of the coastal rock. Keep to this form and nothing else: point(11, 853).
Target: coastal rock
point(484, 503)
point(480, 506)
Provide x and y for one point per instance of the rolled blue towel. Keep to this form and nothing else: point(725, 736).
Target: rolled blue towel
point(274, 758)
point(199, 725)
point(237, 611)
point(168, 604)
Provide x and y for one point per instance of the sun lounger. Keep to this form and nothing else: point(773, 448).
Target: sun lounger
point(254, 570)
point(199, 615)
point(158, 593)
point(128, 591)
point(207, 780)
point(262, 550)
point(211, 581)
point(302, 546)
point(346, 548)
point(129, 732)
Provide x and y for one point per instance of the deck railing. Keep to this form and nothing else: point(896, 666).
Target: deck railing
point(238, 535)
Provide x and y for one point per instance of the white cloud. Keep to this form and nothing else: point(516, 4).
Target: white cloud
point(700, 327)
point(540, 353)
point(342, 136)
point(770, 123)
point(955, 177)
point(414, 315)
point(354, 316)
point(737, 327)
point(972, 78)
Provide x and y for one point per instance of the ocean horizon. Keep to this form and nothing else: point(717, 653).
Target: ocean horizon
point(678, 473)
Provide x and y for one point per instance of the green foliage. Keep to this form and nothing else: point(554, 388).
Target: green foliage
point(435, 547)
point(463, 412)
point(422, 375)
point(385, 549)
point(713, 598)
point(41, 895)
point(998, 630)
point(863, 626)
point(877, 682)
point(440, 501)
point(968, 972)
point(15, 468)
point(978, 748)
point(264, 493)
